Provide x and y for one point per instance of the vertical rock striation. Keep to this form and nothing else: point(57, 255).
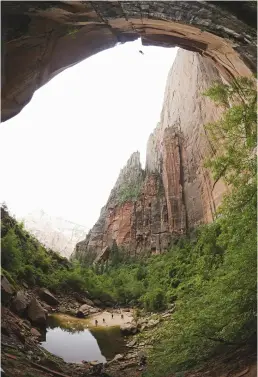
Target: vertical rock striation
point(184, 113)
point(175, 193)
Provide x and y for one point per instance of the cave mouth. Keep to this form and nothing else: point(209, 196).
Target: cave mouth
point(42, 40)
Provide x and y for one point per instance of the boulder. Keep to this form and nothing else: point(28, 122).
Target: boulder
point(166, 315)
point(118, 357)
point(65, 310)
point(36, 313)
point(132, 343)
point(47, 307)
point(79, 298)
point(20, 303)
point(45, 311)
point(5, 329)
point(97, 302)
point(128, 329)
point(19, 333)
point(172, 310)
point(7, 290)
point(83, 311)
point(130, 356)
point(129, 364)
point(97, 367)
point(86, 310)
point(152, 323)
point(35, 332)
point(142, 321)
point(87, 301)
point(27, 324)
point(47, 296)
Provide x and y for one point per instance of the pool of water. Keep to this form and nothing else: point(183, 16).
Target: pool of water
point(74, 340)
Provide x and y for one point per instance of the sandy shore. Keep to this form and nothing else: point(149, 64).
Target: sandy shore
point(89, 322)
point(109, 321)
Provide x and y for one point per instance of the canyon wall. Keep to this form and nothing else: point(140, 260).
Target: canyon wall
point(148, 209)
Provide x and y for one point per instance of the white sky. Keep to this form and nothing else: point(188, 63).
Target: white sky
point(64, 151)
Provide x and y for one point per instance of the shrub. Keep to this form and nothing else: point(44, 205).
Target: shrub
point(155, 300)
point(10, 251)
point(129, 192)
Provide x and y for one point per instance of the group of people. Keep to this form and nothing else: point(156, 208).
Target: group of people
point(104, 321)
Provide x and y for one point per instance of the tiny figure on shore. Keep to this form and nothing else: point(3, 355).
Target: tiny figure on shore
point(103, 320)
point(122, 316)
point(96, 322)
point(112, 315)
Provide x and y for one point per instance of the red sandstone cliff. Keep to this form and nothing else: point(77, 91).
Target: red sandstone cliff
point(175, 193)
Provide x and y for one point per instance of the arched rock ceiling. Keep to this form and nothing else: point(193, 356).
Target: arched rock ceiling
point(40, 39)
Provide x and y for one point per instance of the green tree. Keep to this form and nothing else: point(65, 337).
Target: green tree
point(234, 136)
point(115, 256)
point(10, 251)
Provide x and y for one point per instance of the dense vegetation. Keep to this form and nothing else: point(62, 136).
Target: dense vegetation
point(129, 192)
point(211, 275)
point(23, 258)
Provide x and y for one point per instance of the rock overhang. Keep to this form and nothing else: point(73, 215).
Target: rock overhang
point(41, 39)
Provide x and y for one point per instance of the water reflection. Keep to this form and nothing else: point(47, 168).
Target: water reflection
point(71, 325)
point(70, 339)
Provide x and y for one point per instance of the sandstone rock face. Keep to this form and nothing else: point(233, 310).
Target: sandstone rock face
point(135, 216)
point(128, 329)
point(179, 141)
point(147, 209)
point(42, 40)
point(103, 255)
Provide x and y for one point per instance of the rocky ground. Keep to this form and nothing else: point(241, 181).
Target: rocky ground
point(24, 316)
point(23, 323)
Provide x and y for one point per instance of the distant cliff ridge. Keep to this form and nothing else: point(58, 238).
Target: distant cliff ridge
point(55, 233)
point(149, 208)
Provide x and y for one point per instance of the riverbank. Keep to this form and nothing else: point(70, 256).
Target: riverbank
point(105, 318)
point(111, 317)
point(23, 355)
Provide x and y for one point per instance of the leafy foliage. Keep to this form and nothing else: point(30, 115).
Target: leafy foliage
point(24, 257)
point(234, 135)
point(129, 192)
